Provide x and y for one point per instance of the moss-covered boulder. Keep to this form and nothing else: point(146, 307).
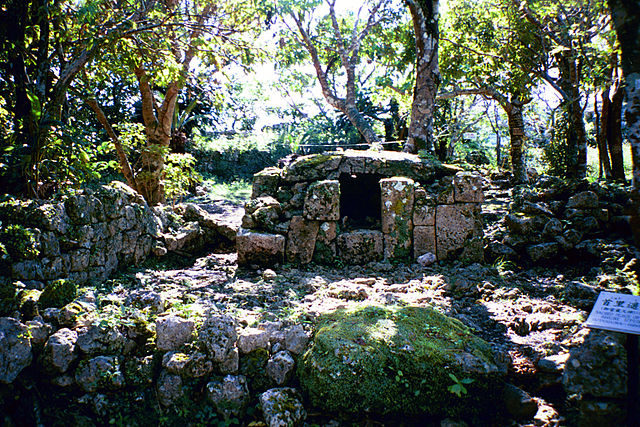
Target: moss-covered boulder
point(58, 294)
point(400, 360)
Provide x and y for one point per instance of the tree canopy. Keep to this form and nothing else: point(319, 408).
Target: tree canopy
point(93, 86)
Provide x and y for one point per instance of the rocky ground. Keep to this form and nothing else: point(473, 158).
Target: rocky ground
point(532, 315)
point(151, 342)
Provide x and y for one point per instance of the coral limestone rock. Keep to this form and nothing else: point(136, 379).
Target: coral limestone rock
point(322, 202)
point(15, 349)
point(459, 230)
point(301, 240)
point(361, 246)
point(230, 395)
point(467, 188)
point(59, 350)
point(102, 372)
point(218, 336)
point(260, 248)
point(173, 332)
point(282, 407)
point(398, 361)
point(397, 196)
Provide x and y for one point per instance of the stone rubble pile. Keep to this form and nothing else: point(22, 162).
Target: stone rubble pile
point(555, 219)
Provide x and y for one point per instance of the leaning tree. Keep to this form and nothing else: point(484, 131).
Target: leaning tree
point(626, 18)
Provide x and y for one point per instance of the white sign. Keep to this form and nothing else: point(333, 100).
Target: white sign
point(616, 312)
point(469, 135)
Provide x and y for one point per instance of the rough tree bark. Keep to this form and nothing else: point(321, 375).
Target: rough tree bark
point(424, 14)
point(602, 124)
point(626, 19)
point(614, 134)
point(569, 82)
point(158, 121)
point(513, 109)
point(349, 58)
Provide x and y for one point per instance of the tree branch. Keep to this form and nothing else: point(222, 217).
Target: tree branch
point(122, 156)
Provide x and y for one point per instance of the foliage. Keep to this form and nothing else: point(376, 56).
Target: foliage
point(48, 44)
point(237, 155)
point(458, 387)
point(237, 191)
point(18, 242)
point(556, 150)
point(58, 293)
point(180, 176)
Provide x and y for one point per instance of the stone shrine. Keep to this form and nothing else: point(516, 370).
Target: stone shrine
point(355, 207)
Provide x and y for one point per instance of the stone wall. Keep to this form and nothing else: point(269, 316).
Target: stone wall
point(82, 236)
point(90, 234)
point(297, 214)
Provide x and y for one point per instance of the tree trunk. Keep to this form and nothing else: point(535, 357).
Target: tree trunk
point(626, 20)
point(576, 133)
point(516, 131)
point(614, 134)
point(158, 132)
point(424, 14)
point(601, 134)
point(347, 105)
point(362, 125)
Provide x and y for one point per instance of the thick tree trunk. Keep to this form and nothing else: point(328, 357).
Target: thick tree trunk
point(626, 20)
point(425, 24)
point(158, 132)
point(576, 133)
point(516, 131)
point(614, 134)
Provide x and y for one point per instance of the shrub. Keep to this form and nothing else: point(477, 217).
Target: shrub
point(180, 176)
point(58, 293)
point(18, 242)
point(556, 152)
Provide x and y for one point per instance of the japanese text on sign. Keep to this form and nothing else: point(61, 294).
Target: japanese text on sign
point(616, 312)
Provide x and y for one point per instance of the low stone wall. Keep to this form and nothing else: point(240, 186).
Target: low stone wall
point(79, 237)
point(90, 234)
point(140, 362)
point(407, 208)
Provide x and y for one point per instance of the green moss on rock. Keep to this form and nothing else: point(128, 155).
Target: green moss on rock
point(397, 361)
point(19, 242)
point(28, 301)
point(254, 367)
point(58, 294)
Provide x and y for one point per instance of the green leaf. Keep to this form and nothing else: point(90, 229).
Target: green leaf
point(36, 107)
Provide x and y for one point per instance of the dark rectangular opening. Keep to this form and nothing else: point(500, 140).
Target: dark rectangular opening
point(360, 201)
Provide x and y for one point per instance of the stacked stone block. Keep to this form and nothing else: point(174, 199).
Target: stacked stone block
point(426, 207)
point(81, 236)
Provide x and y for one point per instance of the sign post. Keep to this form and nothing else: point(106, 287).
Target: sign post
point(621, 313)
